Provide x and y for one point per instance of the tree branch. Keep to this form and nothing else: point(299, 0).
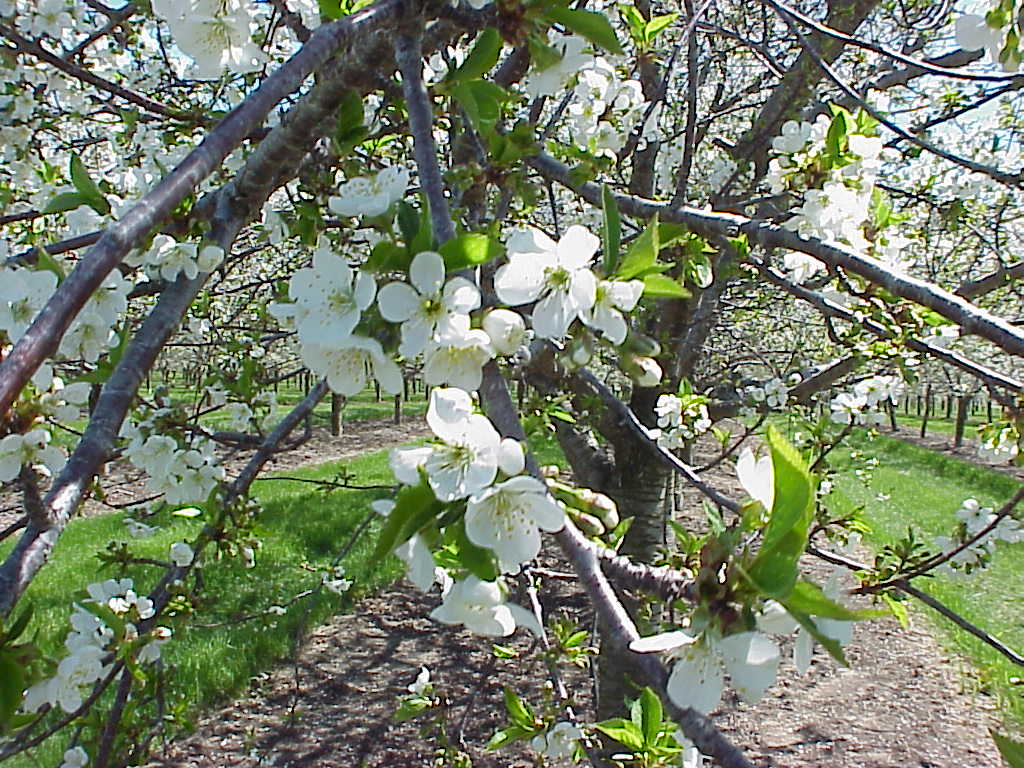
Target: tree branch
point(769, 235)
point(43, 337)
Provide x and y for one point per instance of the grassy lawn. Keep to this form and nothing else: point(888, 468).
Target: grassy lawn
point(915, 487)
point(360, 407)
point(302, 532)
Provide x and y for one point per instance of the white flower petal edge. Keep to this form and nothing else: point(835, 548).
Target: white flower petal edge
point(757, 476)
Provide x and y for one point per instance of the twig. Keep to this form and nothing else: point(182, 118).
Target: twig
point(960, 621)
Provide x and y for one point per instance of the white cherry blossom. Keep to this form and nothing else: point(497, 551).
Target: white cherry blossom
point(457, 359)
point(610, 297)
point(507, 518)
point(479, 605)
point(555, 273)
point(429, 309)
point(370, 195)
point(345, 365)
point(467, 460)
point(329, 298)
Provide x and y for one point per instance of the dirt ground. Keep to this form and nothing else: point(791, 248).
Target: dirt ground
point(902, 702)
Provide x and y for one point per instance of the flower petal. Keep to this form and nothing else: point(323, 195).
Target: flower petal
point(397, 302)
point(427, 273)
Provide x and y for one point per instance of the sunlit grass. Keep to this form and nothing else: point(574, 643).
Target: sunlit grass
point(915, 488)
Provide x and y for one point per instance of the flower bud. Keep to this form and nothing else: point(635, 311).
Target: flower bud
point(506, 330)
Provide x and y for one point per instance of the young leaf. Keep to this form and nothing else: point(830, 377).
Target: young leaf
point(65, 201)
point(589, 24)
point(414, 507)
point(470, 250)
point(87, 188)
point(481, 59)
point(657, 24)
point(642, 254)
point(519, 712)
point(663, 287)
point(408, 222)
point(650, 708)
point(774, 570)
point(623, 731)
point(1012, 751)
point(611, 230)
point(808, 598)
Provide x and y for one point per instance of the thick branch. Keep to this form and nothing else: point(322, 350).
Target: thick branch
point(768, 235)
point(409, 57)
point(43, 337)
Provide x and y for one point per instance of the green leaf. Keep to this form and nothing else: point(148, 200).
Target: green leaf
point(508, 735)
point(835, 139)
point(12, 686)
point(699, 271)
point(611, 230)
point(650, 709)
point(470, 250)
point(408, 222)
point(664, 287)
point(83, 182)
point(642, 254)
point(1012, 751)
point(481, 59)
point(331, 9)
point(623, 731)
point(592, 25)
point(415, 506)
point(388, 257)
point(657, 24)
point(482, 101)
point(774, 570)
point(519, 712)
point(897, 609)
point(65, 201)
point(50, 264)
point(808, 598)
point(19, 625)
point(635, 21)
point(477, 560)
point(542, 55)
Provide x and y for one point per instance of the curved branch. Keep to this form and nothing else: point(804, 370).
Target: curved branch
point(43, 337)
point(766, 234)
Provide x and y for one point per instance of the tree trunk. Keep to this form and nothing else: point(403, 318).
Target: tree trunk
point(927, 409)
point(337, 404)
point(963, 404)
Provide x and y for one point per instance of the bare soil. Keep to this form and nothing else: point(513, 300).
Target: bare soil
point(902, 702)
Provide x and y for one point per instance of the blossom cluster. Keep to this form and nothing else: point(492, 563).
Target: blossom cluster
point(91, 642)
point(972, 519)
point(838, 190)
point(215, 34)
point(863, 405)
point(604, 107)
point(184, 475)
point(681, 418)
point(168, 258)
point(24, 292)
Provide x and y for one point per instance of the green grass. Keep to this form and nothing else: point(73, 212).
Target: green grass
point(361, 407)
point(915, 487)
point(302, 531)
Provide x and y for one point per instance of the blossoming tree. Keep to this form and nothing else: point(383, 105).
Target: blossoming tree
point(663, 217)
